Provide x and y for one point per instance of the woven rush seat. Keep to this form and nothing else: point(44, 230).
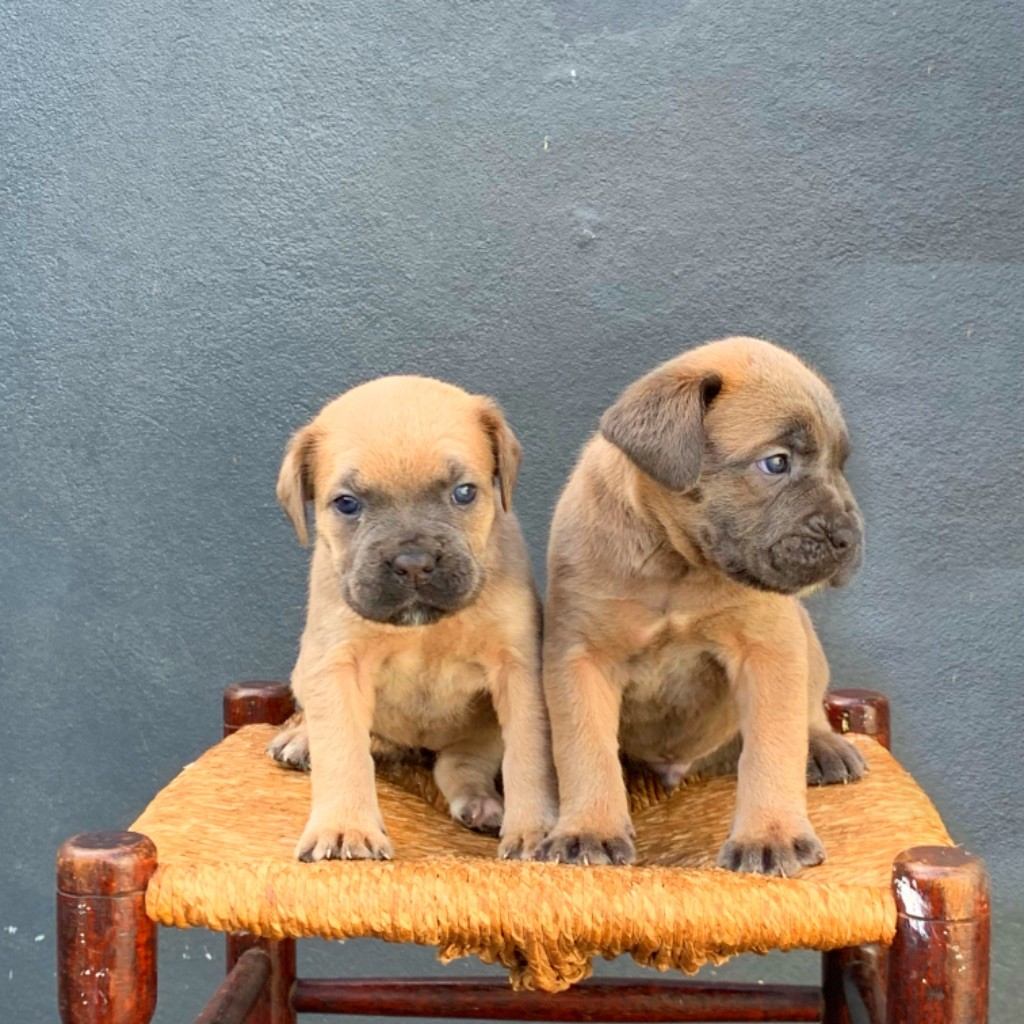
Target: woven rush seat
point(226, 827)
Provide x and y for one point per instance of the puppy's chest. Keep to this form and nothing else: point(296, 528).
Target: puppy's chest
point(663, 672)
point(676, 704)
point(656, 642)
point(422, 703)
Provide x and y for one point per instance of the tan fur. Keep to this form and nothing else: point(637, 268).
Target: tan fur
point(639, 622)
point(454, 686)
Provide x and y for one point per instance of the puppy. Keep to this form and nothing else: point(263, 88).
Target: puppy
point(423, 623)
point(712, 498)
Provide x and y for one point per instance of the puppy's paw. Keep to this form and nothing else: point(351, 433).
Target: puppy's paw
point(587, 848)
point(481, 812)
point(521, 843)
point(290, 747)
point(773, 853)
point(332, 842)
point(832, 759)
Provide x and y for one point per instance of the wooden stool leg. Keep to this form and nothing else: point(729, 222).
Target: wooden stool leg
point(254, 703)
point(106, 945)
point(853, 985)
point(275, 1005)
point(853, 980)
point(939, 960)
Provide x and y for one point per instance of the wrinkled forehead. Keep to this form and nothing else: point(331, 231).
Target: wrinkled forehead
point(799, 415)
point(402, 449)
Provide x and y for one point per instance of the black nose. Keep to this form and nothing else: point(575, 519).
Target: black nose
point(842, 537)
point(413, 566)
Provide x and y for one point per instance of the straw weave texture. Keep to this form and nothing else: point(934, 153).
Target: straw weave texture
point(226, 827)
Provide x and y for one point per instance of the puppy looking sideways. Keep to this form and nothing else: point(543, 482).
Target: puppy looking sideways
point(423, 621)
point(712, 498)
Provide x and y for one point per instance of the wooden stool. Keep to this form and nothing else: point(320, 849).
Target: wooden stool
point(904, 934)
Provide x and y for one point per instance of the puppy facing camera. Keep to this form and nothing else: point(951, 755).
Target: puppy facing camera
point(423, 622)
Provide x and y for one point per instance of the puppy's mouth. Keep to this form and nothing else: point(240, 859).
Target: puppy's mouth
point(418, 607)
point(778, 585)
point(743, 574)
point(419, 614)
point(772, 574)
point(415, 612)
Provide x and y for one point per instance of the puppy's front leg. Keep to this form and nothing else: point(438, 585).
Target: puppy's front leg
point(531, 803)
point(771, 833)
point(830, 758)
point(345, 821)
point(594, 826)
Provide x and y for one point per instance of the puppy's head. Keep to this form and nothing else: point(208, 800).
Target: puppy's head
point(405, 475)
point(749, 445)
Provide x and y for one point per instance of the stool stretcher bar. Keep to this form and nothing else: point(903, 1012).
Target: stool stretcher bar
point(617, 1000)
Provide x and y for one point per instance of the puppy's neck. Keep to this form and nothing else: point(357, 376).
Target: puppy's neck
point(324, 592)
point(674, 516)
point(648, 541)
point(664, 525)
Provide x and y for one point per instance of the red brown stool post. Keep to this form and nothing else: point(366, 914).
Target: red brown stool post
point(106, 945)
point(266, 702)
point(256, 702)
point(853, 980)
point(862, 711)
point(939, 960)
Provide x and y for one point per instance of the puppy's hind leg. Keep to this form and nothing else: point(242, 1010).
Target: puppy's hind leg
point(465, 772)
point(290, 747)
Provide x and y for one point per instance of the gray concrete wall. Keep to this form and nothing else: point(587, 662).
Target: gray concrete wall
point(215, 217)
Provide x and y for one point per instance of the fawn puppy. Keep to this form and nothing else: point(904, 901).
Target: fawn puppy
point(423, 624)
point(712, 498)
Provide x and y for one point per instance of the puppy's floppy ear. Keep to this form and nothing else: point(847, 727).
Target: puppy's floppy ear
point(508, 453)
point(659, 423)
point(295, 481)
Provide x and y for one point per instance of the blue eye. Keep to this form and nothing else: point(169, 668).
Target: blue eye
point(347, 505)
point(774, 465)
point(464, 494)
